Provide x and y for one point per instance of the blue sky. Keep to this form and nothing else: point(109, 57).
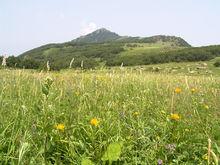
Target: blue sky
point(26, 24)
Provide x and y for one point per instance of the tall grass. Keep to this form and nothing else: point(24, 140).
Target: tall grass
point(108, 116)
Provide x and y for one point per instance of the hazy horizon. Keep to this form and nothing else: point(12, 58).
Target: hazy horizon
point(29, 24)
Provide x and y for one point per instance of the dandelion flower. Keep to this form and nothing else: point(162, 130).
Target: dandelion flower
point(175, 117)
point(136, 113)
point(178, 90)
point(60, 127)
point(94, 122)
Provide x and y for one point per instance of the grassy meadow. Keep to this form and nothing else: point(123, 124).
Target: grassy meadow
point(117, 116)
point(202, 68)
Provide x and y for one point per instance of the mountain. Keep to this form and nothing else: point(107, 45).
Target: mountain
point(98, 36)
point(103, 35)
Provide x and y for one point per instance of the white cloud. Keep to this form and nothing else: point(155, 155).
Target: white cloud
point(87, 28)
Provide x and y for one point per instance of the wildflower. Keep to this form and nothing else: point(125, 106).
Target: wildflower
point(193, 90)
point(206, 106)
point(175, 117)
point(160, 162)
point(205, 156)
point(136, 113)
point(178, 90)
point(60, 127)
point(94, 122)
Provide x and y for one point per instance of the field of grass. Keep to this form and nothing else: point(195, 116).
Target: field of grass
point(117, 116)
point(205, 68)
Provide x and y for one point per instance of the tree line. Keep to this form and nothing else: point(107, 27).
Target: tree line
point(179, 55)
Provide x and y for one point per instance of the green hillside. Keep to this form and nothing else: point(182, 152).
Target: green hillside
point(105, 48)
point(133, 53)
point(101, 47)
point(173, 40)
point(165, 53)
point(60, 55)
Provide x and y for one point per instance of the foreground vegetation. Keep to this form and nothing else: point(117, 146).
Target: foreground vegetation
point(118, 116)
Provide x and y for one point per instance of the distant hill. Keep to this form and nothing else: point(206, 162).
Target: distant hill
point(103, 35)
point(106, 48)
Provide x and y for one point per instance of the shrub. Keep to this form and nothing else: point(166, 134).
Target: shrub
point(217, 64)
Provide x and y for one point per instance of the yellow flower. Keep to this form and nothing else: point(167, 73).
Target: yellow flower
point(178, 90)
point(193, 90)
point(175, 117)
point(94, 122)
point(60, 127)
point(136, 113)
point(205, 157)
point(206, 107)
